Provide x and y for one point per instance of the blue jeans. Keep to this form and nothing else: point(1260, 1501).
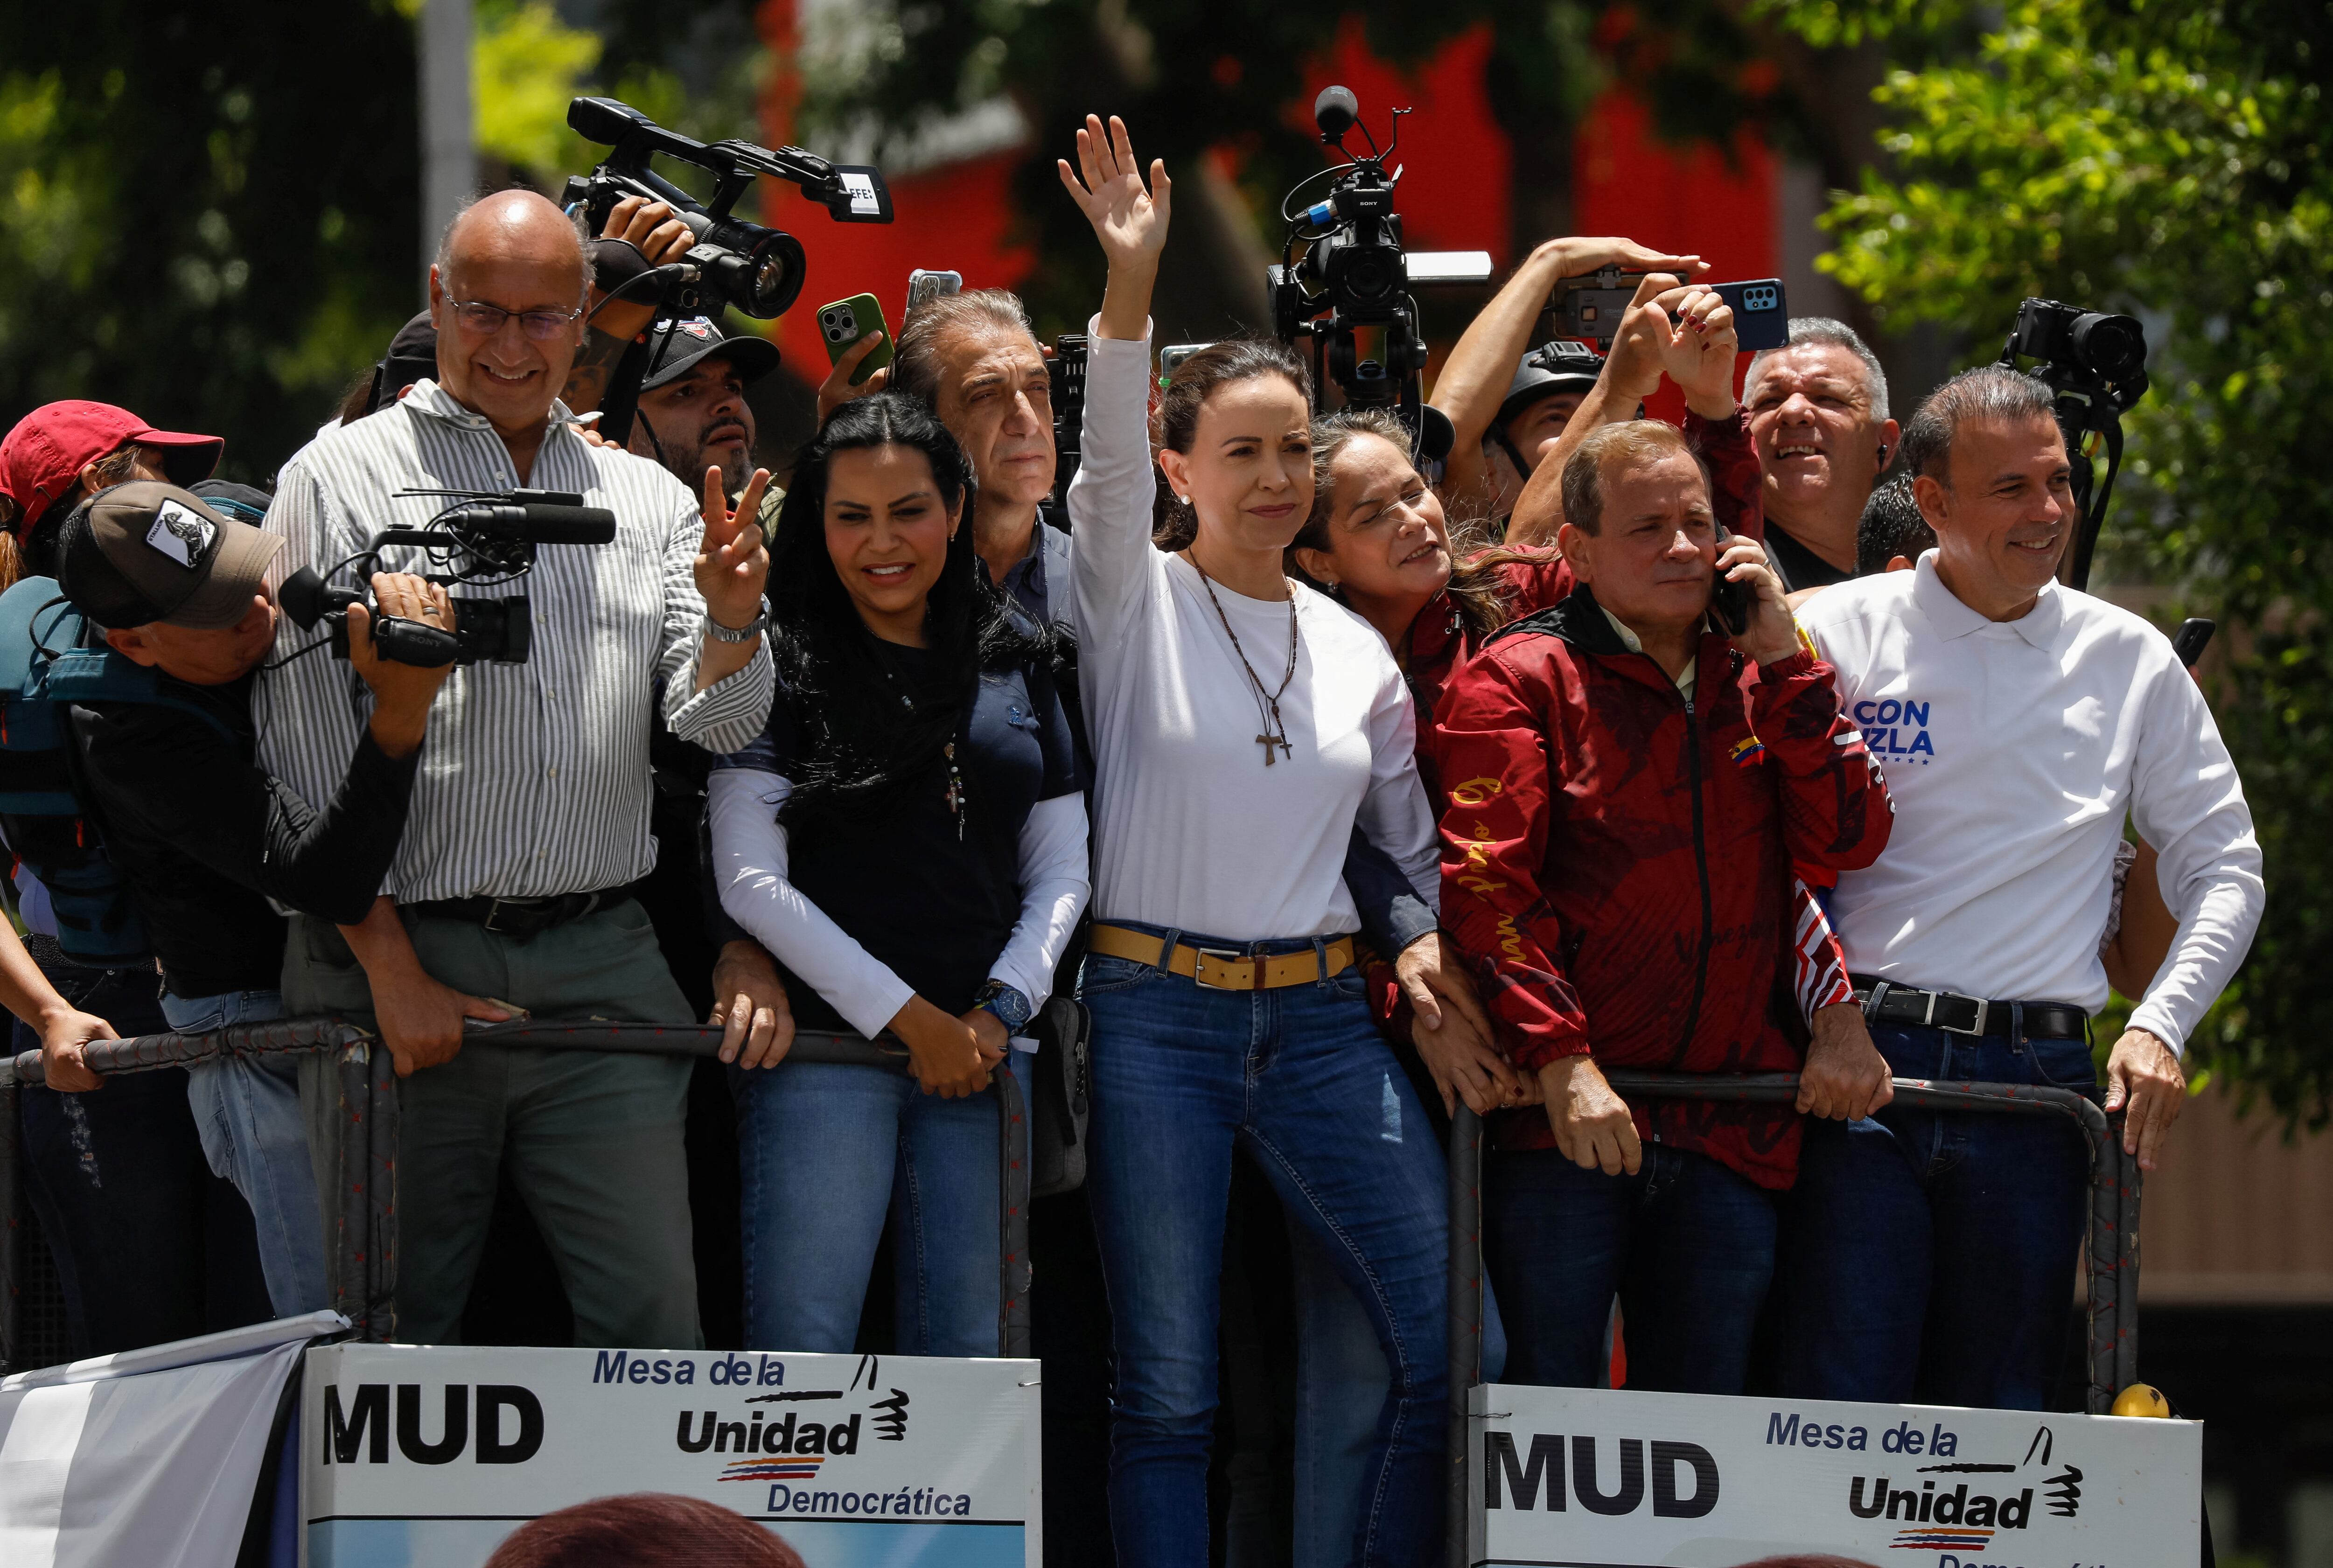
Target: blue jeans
point(826, 1151)
point(1930, 1255)
point(247, 1113)
point(150, 1246)
point(1340, 1386)
point(1687, 1243)
point(1301, 1079)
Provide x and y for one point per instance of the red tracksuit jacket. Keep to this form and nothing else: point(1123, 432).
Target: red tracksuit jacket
point(1617, 862)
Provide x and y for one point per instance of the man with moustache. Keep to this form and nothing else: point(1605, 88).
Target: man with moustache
point(1818, 410)
point(693, 415)
point(692, 418)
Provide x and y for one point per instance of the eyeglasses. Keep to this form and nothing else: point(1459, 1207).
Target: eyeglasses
point(486, 319)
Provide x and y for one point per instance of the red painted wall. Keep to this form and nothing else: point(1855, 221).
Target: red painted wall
point(1454, 194)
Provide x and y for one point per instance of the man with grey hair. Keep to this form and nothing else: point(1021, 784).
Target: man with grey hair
point(1818, 412)
point(2020, 722)
point(530, 812)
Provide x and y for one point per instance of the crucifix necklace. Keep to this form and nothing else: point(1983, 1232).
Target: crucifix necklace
point(1267, 703)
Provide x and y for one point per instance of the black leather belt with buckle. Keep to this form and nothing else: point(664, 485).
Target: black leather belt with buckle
point(1884, 1003)
point(523, 918)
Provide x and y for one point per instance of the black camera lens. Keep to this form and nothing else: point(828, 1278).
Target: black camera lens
point(1371, 275)
point(2113, 346)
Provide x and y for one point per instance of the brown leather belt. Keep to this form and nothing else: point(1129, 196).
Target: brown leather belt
point(1221, 970)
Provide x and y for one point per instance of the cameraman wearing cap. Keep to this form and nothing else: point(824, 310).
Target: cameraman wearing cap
point(150, 1245)
point(693, 418)
point(1502, 410)
point(693, 415)
point(531, 813)
point(204, 839)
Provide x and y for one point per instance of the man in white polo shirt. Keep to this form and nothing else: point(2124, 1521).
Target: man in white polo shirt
point(2019, 722)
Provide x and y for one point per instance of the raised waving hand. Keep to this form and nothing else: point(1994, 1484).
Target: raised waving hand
point(1128, 219)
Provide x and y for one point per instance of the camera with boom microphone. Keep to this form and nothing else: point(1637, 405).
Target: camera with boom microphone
point(481, 538)
point(756, 269)
point(1349, 291)
point(1352, 277)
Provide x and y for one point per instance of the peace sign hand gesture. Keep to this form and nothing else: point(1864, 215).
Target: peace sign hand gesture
point(1129, 220)
point(732, 567)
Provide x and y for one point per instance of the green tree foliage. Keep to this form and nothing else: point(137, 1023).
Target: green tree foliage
point(207, 213)
point(2167, 158)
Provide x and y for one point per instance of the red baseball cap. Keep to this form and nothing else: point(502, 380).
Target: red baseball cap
point(40, 460)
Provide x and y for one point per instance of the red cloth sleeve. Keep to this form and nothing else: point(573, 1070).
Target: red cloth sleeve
point(1836, 810)
point(1495, 745)
point(1738, 479)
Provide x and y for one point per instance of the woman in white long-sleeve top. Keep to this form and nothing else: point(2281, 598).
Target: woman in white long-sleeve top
point(908, 839)
point(1241, 725)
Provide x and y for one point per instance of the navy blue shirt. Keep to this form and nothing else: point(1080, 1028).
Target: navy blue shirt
point(932, 895)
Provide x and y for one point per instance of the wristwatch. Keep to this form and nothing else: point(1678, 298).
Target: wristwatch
point(745, 633)
point(1011, 1009)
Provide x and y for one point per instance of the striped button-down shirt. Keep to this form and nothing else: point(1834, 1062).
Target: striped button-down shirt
point(535, 776)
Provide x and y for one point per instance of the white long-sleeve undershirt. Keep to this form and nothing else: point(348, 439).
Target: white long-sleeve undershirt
point(750, 864)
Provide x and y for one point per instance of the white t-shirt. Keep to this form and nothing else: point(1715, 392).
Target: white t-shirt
point(1192, 830)
point(2014, 751)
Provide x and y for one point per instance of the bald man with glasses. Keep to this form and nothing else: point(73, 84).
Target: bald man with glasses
point(530, 813)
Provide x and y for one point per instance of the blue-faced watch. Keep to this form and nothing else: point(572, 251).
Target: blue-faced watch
point(1010, 1006)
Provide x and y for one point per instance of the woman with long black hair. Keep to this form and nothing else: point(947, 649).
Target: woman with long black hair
point(1242, 725)
point(908, 839)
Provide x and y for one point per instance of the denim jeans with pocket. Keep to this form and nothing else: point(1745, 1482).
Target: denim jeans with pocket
point(826, 1151)
point(1931, 1255)
point(1687, 1243)
point(247, 1113)
point(1301, 1079)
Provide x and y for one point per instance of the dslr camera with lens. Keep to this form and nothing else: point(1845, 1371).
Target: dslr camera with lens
point(2095, 365)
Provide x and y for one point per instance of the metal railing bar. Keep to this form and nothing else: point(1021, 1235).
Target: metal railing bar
point(2111, 1259)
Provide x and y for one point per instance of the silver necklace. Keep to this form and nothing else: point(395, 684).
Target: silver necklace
point(1267, 703)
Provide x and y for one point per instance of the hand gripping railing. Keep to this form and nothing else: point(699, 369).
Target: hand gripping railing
point(2111, 1259)
point(364, 1224)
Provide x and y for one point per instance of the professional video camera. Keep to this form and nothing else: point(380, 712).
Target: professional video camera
point(481, 538)
point(756, 269)
point(1354, 277)
point(2096, 364)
